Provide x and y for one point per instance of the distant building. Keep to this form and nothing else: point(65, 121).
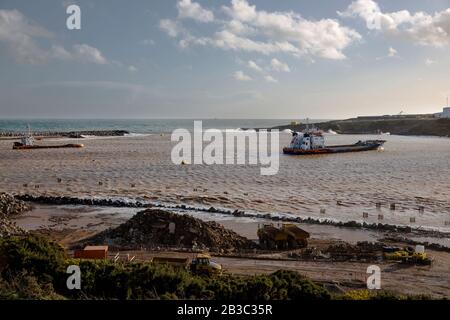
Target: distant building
point(396, 117)
point(444, 114)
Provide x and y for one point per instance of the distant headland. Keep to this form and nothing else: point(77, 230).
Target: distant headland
point(417, 125)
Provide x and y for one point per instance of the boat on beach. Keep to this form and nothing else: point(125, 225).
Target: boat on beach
point(27, 143)
point(313, 142)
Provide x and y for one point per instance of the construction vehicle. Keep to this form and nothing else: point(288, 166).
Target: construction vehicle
point(286, 236)
point(202, 265)
point(409, 255)
point(172, 261)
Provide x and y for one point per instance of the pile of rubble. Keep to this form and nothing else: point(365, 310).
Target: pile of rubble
point(8, 228)
point(154, 228)
point(9, 206)
point(367, 251)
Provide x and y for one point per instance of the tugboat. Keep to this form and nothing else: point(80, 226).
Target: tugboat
point(313, 142)
point(27, 143)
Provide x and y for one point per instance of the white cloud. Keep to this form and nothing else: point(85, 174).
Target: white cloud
point(60, 53)
point(132, 68)
point(420, 27)
point(229, 41)
point(80, 52)
point(392, 52)
point(429, 62)
point(250, 30)
point(277, 65)
point(269, 78)
point(171, 27)
point(253, 65)
point(239, 28)
point(86, 53)
point(193, 10)
point(307, 36)
point(241, 76)
point(20, 36)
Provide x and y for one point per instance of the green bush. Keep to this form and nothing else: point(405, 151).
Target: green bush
point(37, 255)
point(26, 286)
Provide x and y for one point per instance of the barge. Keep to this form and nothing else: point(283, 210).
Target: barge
point(20, 146)
point(313, 142)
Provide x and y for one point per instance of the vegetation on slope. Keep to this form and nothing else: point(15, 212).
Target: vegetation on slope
point(32, 267)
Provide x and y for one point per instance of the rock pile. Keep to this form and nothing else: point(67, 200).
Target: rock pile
point(368, 251)
point(9, 206)
point(153, 228)
point(8, 228)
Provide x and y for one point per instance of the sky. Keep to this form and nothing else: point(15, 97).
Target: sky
point(287, 59)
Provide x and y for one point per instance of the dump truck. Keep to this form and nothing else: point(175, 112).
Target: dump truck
point(201, 264)
point(172, 261)
point(408, 255)
point(286, 236)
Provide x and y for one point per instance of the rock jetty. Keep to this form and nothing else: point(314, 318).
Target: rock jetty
point(67, 134)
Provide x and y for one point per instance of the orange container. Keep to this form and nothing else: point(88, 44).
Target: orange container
point(92, 252)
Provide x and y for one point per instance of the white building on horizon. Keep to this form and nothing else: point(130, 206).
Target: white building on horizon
point(444, 114)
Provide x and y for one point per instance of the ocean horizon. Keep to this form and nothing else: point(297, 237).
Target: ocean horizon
point(137, 125)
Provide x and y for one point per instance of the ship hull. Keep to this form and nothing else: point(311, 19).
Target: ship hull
point(357, 147)
point(22, 147)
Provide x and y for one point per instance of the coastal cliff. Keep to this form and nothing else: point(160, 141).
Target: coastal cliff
point(417, 127)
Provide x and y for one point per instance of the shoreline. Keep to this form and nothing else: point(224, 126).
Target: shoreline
point(275, 217)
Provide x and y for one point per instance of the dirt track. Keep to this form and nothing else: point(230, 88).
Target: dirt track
point(431, 280)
